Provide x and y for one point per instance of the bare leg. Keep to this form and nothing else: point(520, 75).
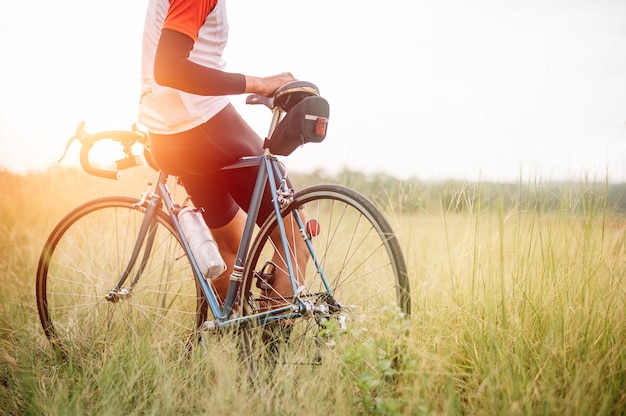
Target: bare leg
point(299, 256)
point(228, 238)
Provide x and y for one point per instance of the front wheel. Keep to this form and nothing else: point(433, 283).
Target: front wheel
point(83, 260)
point(352, 276)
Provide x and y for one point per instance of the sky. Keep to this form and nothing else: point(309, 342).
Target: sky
point(492, 90)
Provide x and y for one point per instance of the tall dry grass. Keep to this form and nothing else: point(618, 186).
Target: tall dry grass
point(517, 310)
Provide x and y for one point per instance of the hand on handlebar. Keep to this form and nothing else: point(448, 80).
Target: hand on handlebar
point(266, 86)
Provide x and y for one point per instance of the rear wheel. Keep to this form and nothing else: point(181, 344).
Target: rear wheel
point(81, 263)
point(365, 276)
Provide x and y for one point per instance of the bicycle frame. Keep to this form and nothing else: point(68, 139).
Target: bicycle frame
point(276, 291)
point(269, 174)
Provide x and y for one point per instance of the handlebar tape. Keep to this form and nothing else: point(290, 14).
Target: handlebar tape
point(88, 142)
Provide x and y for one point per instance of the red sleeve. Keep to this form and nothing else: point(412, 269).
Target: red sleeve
point(188, 16)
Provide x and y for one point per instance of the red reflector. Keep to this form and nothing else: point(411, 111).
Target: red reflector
point(320, 126)
point(313, 228)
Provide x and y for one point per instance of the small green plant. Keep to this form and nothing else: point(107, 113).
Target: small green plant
point(384, 367)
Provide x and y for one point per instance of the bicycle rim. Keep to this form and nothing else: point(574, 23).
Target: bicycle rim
point(361, 259)
point(83, 260)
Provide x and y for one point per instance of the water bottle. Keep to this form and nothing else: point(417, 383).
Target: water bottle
point(201, 242)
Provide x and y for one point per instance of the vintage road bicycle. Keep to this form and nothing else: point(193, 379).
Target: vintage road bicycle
point(119, 268)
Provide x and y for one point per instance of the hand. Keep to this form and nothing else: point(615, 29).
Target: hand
point(266, 86)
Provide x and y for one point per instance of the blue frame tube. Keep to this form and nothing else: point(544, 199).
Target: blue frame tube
point(246, 238)
point(312, 253)
point(281, 226)
point(209, 294)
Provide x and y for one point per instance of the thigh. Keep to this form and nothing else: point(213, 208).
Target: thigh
point(211, 193)
point(223, 193)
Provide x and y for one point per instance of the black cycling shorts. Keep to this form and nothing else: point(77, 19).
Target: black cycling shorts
point(196, 157)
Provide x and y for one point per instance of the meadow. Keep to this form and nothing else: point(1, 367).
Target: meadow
point(519, 308)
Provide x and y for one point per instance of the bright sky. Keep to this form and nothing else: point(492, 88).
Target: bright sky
point(487, 89)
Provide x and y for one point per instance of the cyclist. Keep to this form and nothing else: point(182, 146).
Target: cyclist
point(194, 130)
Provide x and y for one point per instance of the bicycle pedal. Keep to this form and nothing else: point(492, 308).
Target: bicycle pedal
point(263, 285)
point(265, 278)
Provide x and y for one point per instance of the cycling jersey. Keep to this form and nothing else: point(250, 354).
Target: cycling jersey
point(167, 110)
point(194, 131)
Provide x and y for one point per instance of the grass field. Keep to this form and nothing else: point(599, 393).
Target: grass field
point(518, 308)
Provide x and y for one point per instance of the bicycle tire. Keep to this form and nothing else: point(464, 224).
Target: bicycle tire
point(362, 260)
point(83, 259)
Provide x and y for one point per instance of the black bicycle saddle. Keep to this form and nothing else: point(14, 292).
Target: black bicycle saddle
point(292, 93)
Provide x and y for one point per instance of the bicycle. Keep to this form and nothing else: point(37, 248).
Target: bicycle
point(115, 268)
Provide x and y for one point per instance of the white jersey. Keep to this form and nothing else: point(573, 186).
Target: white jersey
point(165, 110)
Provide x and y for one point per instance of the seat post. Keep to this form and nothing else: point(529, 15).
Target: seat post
point(277, 112)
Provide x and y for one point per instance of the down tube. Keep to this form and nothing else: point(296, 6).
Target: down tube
point(244, 245)
point(206, 287)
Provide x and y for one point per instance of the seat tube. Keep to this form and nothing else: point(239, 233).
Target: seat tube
point(281, 226)
point(237, 275)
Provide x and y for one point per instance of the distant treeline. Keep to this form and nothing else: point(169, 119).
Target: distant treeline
point(387, 191)
point(415, 195)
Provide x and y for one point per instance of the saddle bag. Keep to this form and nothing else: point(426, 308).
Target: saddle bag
point(306, 122)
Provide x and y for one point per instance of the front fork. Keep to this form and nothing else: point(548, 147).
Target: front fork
point(148, 229)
